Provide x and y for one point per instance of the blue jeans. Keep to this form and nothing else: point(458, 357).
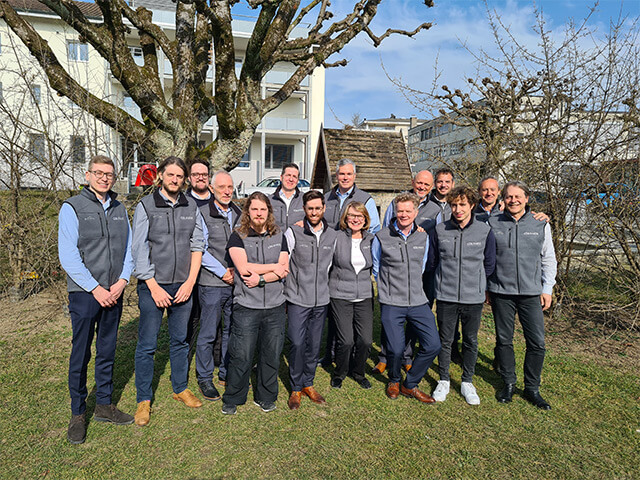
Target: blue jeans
point(87, 317)
point(148, 328)
point(214, 301)
point(305, 334)
point(424, 325)
point(253, 328)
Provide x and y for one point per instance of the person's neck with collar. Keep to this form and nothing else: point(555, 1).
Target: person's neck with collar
point(220, 206)
point(343, 194)
point(101, 198)
point(204, 196)
point(288, 194)
point(409, 229)
point(167, 196)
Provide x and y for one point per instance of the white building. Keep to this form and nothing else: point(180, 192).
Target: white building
point(50, 131)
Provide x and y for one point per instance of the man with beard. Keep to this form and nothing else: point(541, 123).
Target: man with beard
point(258, 250)
point(311, 249)
point(167, 251)
point(287, 199)
point(215, 289)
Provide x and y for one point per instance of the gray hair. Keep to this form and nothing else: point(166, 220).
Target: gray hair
point(345, 161)
point(488, 177)
point(220, 172)
point(516, 183)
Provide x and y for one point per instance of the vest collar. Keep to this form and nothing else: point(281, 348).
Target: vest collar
point(308, 230)
point(276, 194)
point(527, 209)
point(90, 194)
point(213, 209)
point(395, 232)
point(162, 203)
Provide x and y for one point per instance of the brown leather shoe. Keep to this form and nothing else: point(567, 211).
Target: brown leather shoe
point(294, 400)
point(380, 367)
point(393, 390)
point(143, 413)
point(314, 396)
point(417, 394)
point(188, 398)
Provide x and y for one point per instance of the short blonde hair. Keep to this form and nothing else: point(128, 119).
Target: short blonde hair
point(360, 208)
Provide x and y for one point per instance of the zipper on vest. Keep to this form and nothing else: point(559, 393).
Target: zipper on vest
point(408, 271)
point(104, 215)
point(264, 288)
point(175, 245)
point(317, 265)
point(517, 261)
point(460, 265)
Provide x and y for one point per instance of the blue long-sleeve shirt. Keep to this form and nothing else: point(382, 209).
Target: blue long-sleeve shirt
point(376, 250)
point(69, 254)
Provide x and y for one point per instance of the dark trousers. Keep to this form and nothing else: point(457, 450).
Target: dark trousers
point(532, 320)
point(148, 329)
point(253, 328)
point(214, 303)
point(449, 314)
point(305, 335)
point(424, 324)
point(407, 353)
point(354, 333)
point(88, 316)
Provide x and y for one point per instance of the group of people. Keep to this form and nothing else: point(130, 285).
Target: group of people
point(285, 263)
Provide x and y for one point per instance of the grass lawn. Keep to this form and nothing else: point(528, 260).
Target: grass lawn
point(592, 431)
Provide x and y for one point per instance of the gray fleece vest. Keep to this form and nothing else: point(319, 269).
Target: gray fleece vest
point(285, 218)
point(343, 281)
point(307, 284)
point(518, 255)
point(333, 212)
point(460, 274)
point(260, 249)
point(483, 215)
point(170, 231)
point(400, 271)
point(219, 233)
point(102, 237)
point(433, 207)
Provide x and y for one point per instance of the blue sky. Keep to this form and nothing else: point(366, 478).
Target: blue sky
point(362, 87)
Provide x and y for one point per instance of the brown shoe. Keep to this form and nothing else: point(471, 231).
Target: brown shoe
point(380, 367)
point(407, 367)
point(417, 394)
point(393, 390)
point(143, 413)
point(188, 398)
point(294, 400)
point(314, 396)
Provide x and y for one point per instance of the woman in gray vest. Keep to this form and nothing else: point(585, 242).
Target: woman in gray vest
point(258, 250)
point(351, 294)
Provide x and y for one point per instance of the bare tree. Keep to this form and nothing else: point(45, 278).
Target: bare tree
point(171, 123)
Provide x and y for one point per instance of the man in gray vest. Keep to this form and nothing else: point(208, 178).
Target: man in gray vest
point(399, 254)
point(488, 206)
point(464, 256)
point(311, 249)
point(336, 200)
point(215, 283)
point(287, 199)
point(167, 250)
point(522, 282)
point(422, 184)
point(94, 247)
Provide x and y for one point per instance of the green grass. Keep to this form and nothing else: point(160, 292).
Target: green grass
point(590, 433)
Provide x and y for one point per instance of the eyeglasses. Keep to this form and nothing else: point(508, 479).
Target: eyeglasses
point(355, 217)
point(99, 174)
point(200, 175)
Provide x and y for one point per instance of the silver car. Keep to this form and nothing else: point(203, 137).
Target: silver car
point(268, 186)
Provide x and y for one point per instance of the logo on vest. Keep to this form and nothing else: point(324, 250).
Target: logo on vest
point(531, 233)
point(474, 244)
point(117, 218)
point(274, 245)
point(185, 217)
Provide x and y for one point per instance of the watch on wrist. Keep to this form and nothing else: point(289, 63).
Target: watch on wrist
point(261, 283)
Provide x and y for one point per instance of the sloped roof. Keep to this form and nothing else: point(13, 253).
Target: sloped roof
point(88, 9)
point(381, 159)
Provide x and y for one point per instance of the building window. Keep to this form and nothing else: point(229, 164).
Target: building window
point(36, 94)
point(36, 146)
point(77, 149)
point(275, 156)
point(136, 53)
point(77, 52)
point(244, 162)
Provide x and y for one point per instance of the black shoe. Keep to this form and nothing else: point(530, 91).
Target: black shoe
point(265, 406)
point(77, 432)
point(536, 399)
point(336, 382)
point(209, 392)
point(228, 409)
point(110, 413)
point(506, 393)
point(325, 362)
point(364, 383)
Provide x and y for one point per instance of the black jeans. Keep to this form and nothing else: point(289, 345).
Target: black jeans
point(251, 328)
point(448, 315)
point(354, 326)
point(532, 320)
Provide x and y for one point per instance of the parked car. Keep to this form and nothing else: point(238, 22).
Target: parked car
point(609, 194)
point(269, 185)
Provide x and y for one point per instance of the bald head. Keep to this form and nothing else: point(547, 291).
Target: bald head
point(422, 183)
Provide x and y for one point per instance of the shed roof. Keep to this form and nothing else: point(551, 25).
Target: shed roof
point(89, 9)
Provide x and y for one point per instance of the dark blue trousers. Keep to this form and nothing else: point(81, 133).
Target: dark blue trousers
point(305, 334)
point(424, 325)
point(214, 302)
point(88, 316)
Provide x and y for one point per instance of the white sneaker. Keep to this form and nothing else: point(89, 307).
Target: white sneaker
point(441, 391)
point(469, 393)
